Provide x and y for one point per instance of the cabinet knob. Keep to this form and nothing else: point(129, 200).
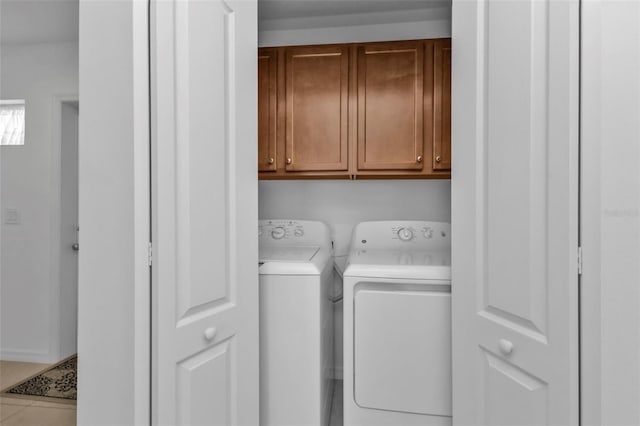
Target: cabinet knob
point(288, 160)
point(210, 333)
point(419, 159)
point(506, 347)
point(438, 159)
point(270, 160)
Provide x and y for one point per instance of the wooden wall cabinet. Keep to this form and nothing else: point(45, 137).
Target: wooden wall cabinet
point(267, 110)
point(316, 105)
point(390, 116)
point(442, 105)
point(369, 110)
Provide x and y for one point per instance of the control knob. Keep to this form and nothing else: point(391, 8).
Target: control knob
point(405, 234)
point(299, 232)
point(278, 233)
point(427, 232)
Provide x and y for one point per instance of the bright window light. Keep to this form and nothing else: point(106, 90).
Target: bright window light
point(12, 122)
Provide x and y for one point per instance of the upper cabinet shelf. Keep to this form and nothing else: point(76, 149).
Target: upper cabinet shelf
point(369, 110)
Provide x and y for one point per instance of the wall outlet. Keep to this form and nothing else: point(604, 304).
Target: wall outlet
point(11, 216)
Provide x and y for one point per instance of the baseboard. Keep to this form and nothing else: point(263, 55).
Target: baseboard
point(26, 356)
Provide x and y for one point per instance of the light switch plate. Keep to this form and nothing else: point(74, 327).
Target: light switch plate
point(11, 216)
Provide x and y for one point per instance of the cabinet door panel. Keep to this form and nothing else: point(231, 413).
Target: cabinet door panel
point(267, 113)
point(442, 106)
point(317, 88)
point(390, 110)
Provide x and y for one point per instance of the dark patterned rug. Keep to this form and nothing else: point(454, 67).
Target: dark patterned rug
point(58, 381)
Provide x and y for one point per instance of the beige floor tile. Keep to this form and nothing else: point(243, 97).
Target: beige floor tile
point(15, 401)
point(42, 416)
point(8, 410)
point(12, 372)
point(53, 404)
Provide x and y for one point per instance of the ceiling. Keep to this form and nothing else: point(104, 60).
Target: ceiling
point(38, 21)
point(288, 9)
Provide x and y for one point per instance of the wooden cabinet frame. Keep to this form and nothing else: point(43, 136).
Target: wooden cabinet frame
point(433, 124)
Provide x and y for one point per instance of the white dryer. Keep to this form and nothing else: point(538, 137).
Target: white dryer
point(296, 323)
point(397, 325)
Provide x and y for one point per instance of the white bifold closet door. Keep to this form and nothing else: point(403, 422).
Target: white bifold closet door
point(515, 212)
point(205, 248)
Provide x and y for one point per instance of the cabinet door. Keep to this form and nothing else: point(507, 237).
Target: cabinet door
point(390, 110)
point(267, 113)
point(317, 89)
point(442, 105)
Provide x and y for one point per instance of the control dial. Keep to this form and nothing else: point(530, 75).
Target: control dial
point(299, 232)
point(427, 232)
point(278, 233)
point(405, 234)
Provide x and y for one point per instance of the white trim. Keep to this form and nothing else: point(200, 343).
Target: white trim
point(114, 278)
point(55, 194)
point(356, 33)
point(610, 213)
point(142, 209)
point(12, 101)
point(25, 356)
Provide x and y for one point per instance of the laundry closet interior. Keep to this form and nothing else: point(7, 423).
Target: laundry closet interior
point(354, 125)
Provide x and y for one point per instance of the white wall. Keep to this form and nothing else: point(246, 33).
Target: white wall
point(114, 278)
point(363, 27)
point(29, 281)
point(610, 213)
point(344, 203)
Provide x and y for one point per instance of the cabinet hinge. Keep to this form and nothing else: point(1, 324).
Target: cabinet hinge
point(579, 260)
point(149, 253)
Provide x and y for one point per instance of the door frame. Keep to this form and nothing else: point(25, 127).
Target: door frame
point(114, 278)
point(55, 201)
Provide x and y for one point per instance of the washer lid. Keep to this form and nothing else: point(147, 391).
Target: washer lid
point(287, 254)
point(427, 265)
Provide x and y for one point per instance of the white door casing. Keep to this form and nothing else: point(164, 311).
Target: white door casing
point(515, 212)
point(68, 229)
point(204, 198)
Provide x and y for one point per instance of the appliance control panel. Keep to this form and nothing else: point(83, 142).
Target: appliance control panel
point(414, 235)
point(293, 232)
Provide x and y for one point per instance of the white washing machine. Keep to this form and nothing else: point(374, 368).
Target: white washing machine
point(296, 323)
point(397, 325)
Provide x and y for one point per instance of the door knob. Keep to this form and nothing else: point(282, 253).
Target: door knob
point(419, 159)
point(75, 246)
point(438, 159)
point(270, 160)
point(288, 160)
point(210, 333)
point(506, 347)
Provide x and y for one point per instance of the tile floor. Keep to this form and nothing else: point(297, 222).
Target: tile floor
point(28, 412)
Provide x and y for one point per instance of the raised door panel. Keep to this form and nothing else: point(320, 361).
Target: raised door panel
point(390, 106)
point(317, 99)
point(514, 208)
point(267, 110)
point(442, 105)
point(205, 337)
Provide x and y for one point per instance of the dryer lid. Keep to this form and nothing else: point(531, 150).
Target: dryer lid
point(430, 265)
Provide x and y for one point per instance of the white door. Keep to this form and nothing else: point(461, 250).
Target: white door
point(515, 212)
point(69, 229)
point(205, 212)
